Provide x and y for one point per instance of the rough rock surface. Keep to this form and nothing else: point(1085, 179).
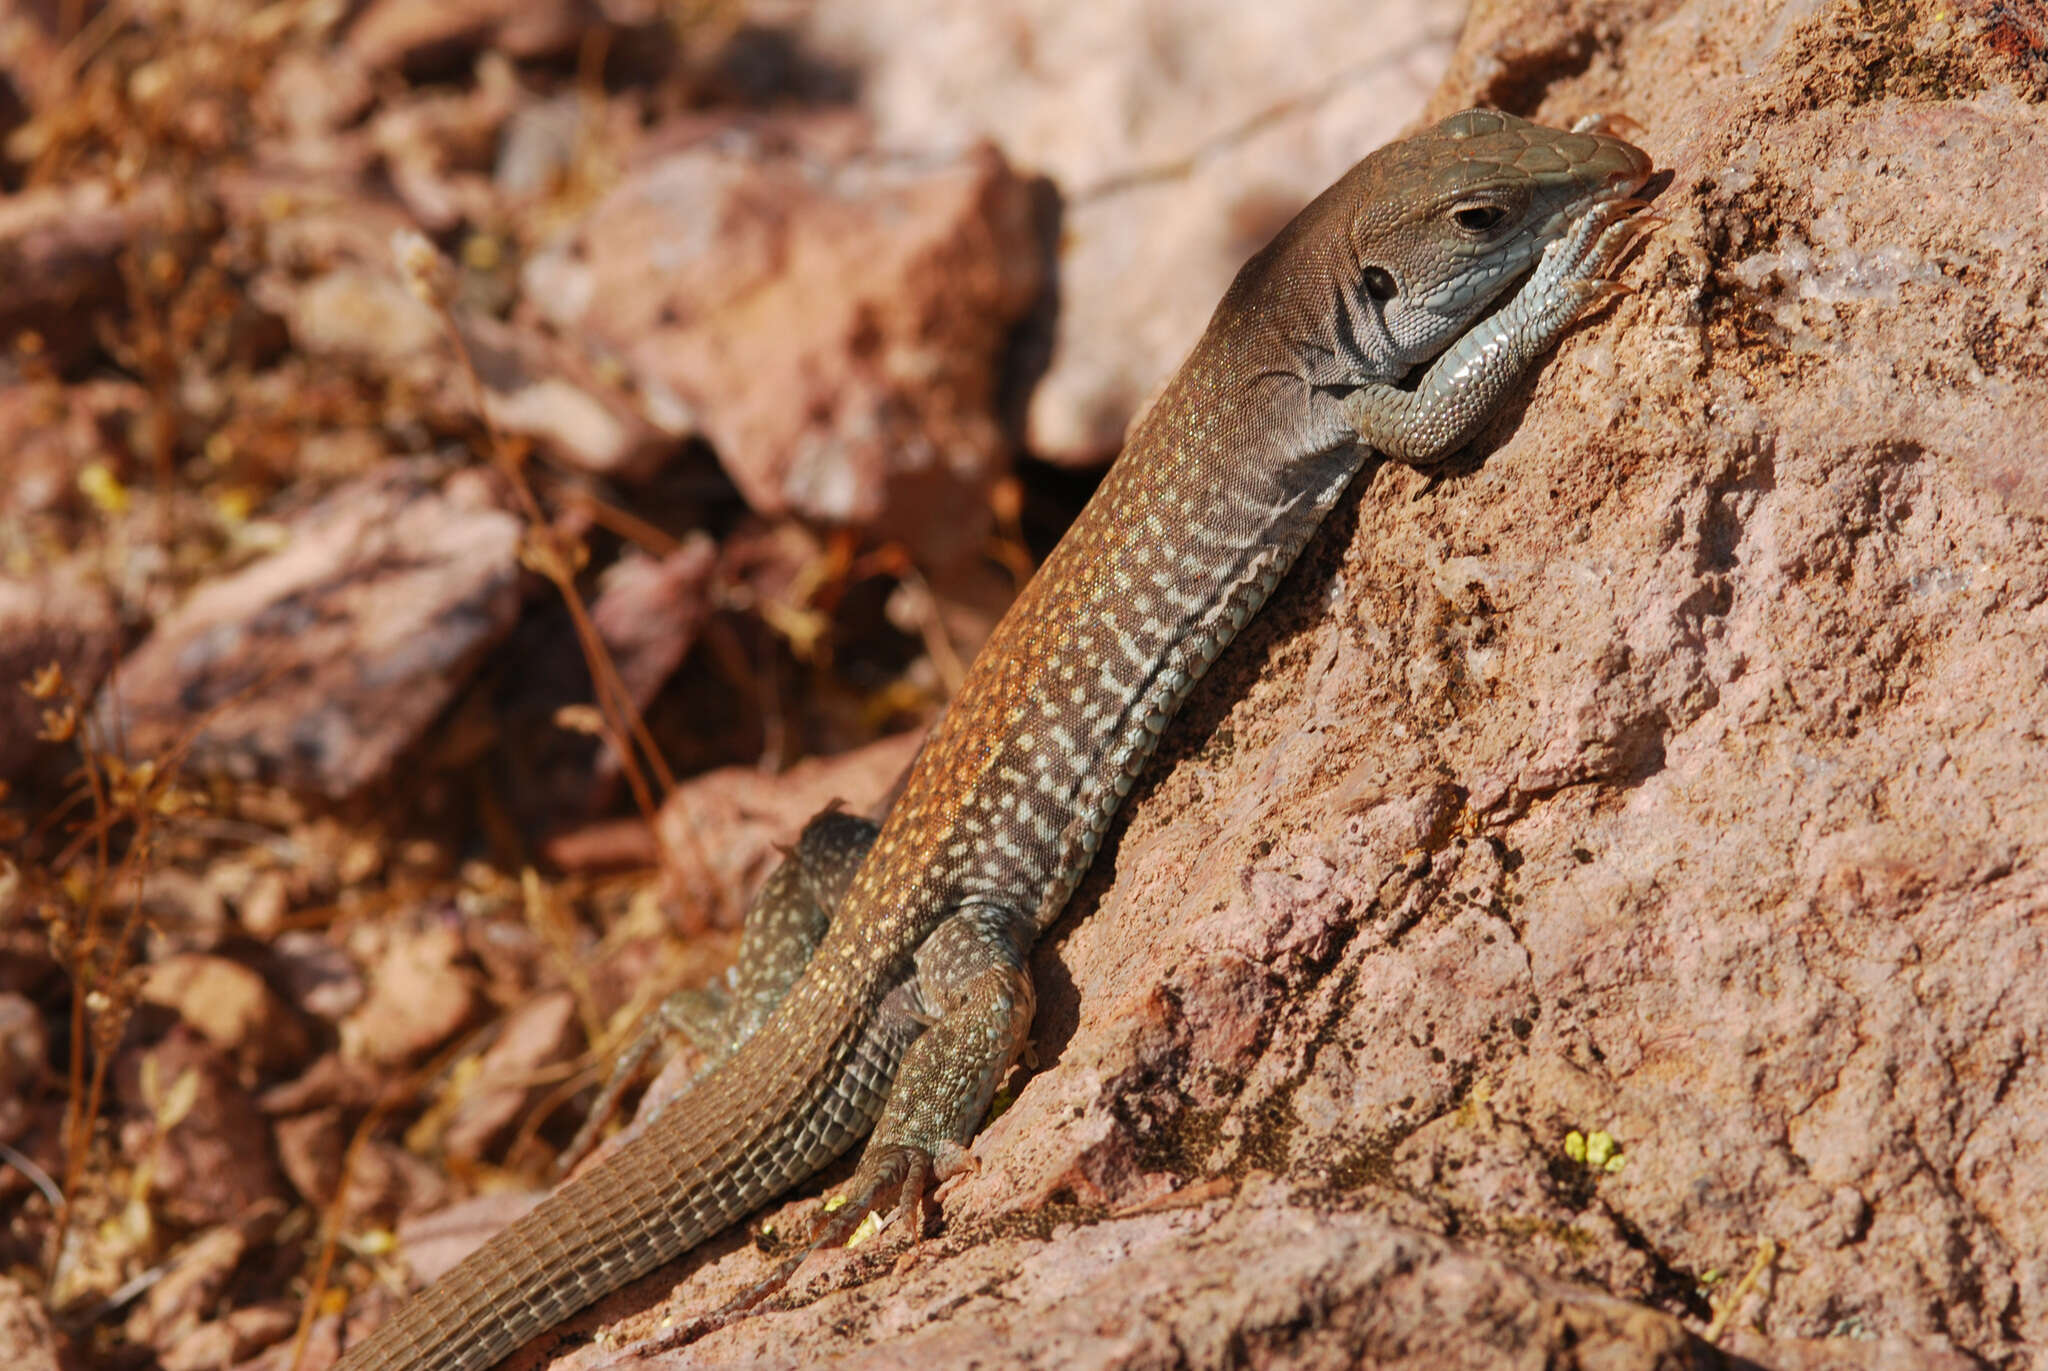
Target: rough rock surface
point(1333, 1290)
point(1669, 771)
point(1179, 137)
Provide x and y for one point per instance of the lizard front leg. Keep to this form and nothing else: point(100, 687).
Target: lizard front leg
point(1464, 387)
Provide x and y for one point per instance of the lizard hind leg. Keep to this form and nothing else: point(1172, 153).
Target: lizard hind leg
point(972, 994)
point(784, 925)
point(971, 998)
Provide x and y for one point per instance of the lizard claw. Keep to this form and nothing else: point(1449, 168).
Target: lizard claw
point(904, 1169)
point(1614, 125)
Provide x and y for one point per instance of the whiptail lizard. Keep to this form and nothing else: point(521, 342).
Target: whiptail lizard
point(883, 984)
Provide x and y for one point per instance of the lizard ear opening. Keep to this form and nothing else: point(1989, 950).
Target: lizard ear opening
point(1379, 284)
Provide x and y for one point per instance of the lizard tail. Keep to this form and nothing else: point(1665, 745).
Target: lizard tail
point(765, 1119)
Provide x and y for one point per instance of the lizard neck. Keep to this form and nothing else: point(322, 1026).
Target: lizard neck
point(1216, 493)
point(1191, 533)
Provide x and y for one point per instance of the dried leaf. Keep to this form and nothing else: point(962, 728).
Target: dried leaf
point(45, 683)
point(585, 719)
point(98, 483)
point(60, 725)
point(176, 1105)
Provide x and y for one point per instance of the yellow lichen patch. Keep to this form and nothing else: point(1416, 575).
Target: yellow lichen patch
point(1598, 1149)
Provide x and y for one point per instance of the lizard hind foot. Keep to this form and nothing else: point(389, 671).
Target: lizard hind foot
point(897, 1167)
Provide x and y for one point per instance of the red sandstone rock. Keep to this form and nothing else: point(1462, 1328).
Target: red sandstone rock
point(831, 318)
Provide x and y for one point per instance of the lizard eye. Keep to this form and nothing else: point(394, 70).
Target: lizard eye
point(1379, 283)
point(1479, 218)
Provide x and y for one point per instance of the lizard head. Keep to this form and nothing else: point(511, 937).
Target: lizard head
point(1445, 221)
